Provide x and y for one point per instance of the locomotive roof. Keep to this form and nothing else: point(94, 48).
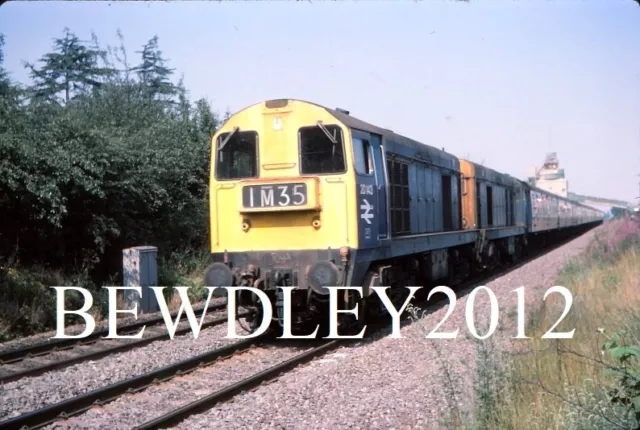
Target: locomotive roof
point(493, 175)
point(422, 150)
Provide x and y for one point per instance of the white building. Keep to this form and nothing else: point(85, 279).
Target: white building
point(550, 177)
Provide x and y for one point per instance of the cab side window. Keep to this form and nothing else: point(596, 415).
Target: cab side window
point(363, 157)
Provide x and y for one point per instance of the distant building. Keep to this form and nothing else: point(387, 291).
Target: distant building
point(550, 177)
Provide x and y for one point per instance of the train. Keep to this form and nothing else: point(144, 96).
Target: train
point(311, 197)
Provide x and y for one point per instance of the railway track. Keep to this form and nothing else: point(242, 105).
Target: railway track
point(207, 402)
point(77, 405)
point(56, 354)
point(50, 414)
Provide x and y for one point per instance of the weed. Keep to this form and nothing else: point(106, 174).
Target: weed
point(578, 383)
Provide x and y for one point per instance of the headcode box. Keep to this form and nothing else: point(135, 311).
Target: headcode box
point(140, 269)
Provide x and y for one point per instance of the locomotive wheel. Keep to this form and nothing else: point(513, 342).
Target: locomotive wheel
point(350, 325)
point(254, 320)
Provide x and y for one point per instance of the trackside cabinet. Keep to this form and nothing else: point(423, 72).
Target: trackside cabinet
point(140, 268)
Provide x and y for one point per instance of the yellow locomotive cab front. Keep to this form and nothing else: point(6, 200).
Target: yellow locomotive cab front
point(278, 181)
point(279, 198)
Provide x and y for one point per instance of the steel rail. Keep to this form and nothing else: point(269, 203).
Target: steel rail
point(13, 355)
point(205, 403)
point(76, 405)
point(107, 351)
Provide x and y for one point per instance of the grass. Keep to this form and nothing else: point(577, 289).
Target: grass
point(568, 383)
point(28, 304)
point(184, 269)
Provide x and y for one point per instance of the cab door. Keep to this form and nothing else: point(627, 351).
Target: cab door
point(370, 188)
point(380, 171)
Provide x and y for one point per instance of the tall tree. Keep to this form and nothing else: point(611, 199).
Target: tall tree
point(72, 68)
point(7, 88)
point(10, 94)
point(183, 105)
point(117, 55)
point(153, 73)
point(3, 73)
point(206, 122)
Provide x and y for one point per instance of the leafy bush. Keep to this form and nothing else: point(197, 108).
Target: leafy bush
point(29, 304)
point(97, 155)
point(626, 369)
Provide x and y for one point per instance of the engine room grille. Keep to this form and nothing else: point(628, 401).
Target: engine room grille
point(400, 206)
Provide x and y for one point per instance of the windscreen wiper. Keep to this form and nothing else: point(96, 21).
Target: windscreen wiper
point(229, 136)
point(325, 131)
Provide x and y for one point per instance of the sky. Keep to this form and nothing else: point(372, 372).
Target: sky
point(497, 82)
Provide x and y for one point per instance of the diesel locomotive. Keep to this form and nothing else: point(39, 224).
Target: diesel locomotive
point(306, 196)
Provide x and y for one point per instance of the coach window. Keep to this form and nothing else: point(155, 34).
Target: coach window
point(237, 156)
point(321, 150)
point(362, 155)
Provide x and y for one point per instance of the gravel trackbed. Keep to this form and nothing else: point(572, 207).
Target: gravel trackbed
point(373, 384)
point(391, 383)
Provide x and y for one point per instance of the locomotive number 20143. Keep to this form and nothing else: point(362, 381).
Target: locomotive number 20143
point(280, 195)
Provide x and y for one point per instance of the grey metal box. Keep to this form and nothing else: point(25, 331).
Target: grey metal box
point(140, 268)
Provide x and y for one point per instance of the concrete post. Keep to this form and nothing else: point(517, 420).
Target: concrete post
point(140, 269)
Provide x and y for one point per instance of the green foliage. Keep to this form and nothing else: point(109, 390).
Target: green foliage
point(184, 269)
point(626, 356)
point(97, 156)
point(487, 382)
point(71, 69)
point(29, 304)
point(153, 73)
point(574, 269)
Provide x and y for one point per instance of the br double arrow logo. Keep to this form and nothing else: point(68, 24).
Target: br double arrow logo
point(367, 207)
